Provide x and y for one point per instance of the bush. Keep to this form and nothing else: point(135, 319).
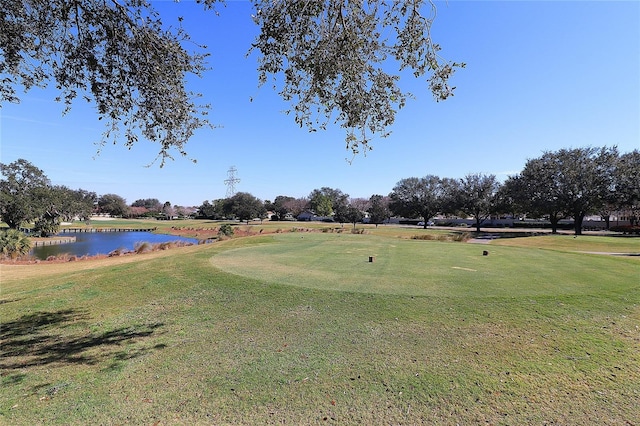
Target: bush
point(626, 229)
point(13, 244)
point(461, 237)
point(427, 237)
point(225, 230)
point(458, 236)
point(142, 247)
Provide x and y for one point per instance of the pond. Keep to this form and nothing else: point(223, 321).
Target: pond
point(94, 243)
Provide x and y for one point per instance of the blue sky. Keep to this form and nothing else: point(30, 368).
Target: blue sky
point(540, 76)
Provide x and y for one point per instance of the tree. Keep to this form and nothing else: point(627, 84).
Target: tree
point(21, 192)
point(206, 210)
point(213, 210)
point(137, 211)
point(568, 182)
point(378, 209)
point(418, 197)
point(476, 196)
point(328, 54)
point(113, 205)
point(168, 211)
point(281, 206)
point(244, 207)
point(353, 214)
point(627, 184)
point(60, 203)
point(328, 201)
point(13, 244)
point(586, 179)
point(537, 192)
point(78, 203)
point(297, 206)
point(152, 205)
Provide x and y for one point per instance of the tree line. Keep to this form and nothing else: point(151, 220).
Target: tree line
point(27, 197)
point(568, 183)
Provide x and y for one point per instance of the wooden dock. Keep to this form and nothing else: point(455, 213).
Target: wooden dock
point(92, 230)
point(52, 241)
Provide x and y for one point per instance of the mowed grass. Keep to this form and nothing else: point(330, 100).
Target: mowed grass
point(620, 244)
point(420, 268)
point(301, 329)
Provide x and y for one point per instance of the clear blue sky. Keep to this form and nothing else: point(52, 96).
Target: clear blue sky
point(540, 76)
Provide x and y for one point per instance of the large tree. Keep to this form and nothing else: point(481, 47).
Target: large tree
point(353, 214)
point(418, 197)
point(281, 206)
point(627, 184)
point(152, 205)
point(297, 206)
point(476, 196)
point(213, 210)
point(244, 207)
point(22, 190)
point(331, 58)
point(61, 203)
point(328, 201)
point(536, 191)
point(568, 183)
point(113, 205)
point(582, 181)
point(378, 209)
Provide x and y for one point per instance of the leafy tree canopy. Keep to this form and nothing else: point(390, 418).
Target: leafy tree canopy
point(326, 55)
point(415, 197)
point(326, 201)
point(281, 206)
point(244, 207)
point(378, 209)
point(113, 204)
point(627, 182)
point(151, 204)
point(476, 196)
point(22, 190)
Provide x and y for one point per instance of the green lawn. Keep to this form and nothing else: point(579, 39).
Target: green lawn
point(300, 328)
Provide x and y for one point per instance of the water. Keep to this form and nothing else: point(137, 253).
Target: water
point(94, 243)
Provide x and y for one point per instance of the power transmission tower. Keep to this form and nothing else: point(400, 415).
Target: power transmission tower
point(231, 181)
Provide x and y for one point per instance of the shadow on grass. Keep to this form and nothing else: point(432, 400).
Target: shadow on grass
point(39, 339)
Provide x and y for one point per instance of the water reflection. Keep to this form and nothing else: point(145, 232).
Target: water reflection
point(94, 243)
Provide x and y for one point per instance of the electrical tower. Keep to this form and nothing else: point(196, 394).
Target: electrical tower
point(231, 181)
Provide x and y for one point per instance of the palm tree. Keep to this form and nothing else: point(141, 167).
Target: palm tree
point(13, 244)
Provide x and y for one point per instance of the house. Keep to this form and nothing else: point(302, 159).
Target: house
point(307, 216)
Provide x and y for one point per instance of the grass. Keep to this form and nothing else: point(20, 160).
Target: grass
point(300, 328)
point(583, 243)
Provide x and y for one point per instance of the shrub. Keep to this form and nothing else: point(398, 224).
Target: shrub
point(424, 237)
point(461, 237)
point(225, 230)
point(13, 244)
point(626, 229)
point(117, 252)
point(142, 247)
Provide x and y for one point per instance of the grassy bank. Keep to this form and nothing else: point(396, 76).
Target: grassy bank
point(300, 328)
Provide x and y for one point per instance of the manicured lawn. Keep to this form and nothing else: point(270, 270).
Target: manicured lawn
point(300, 328)
point(583, 243)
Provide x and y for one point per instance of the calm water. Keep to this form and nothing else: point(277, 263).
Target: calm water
point(93, 243)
